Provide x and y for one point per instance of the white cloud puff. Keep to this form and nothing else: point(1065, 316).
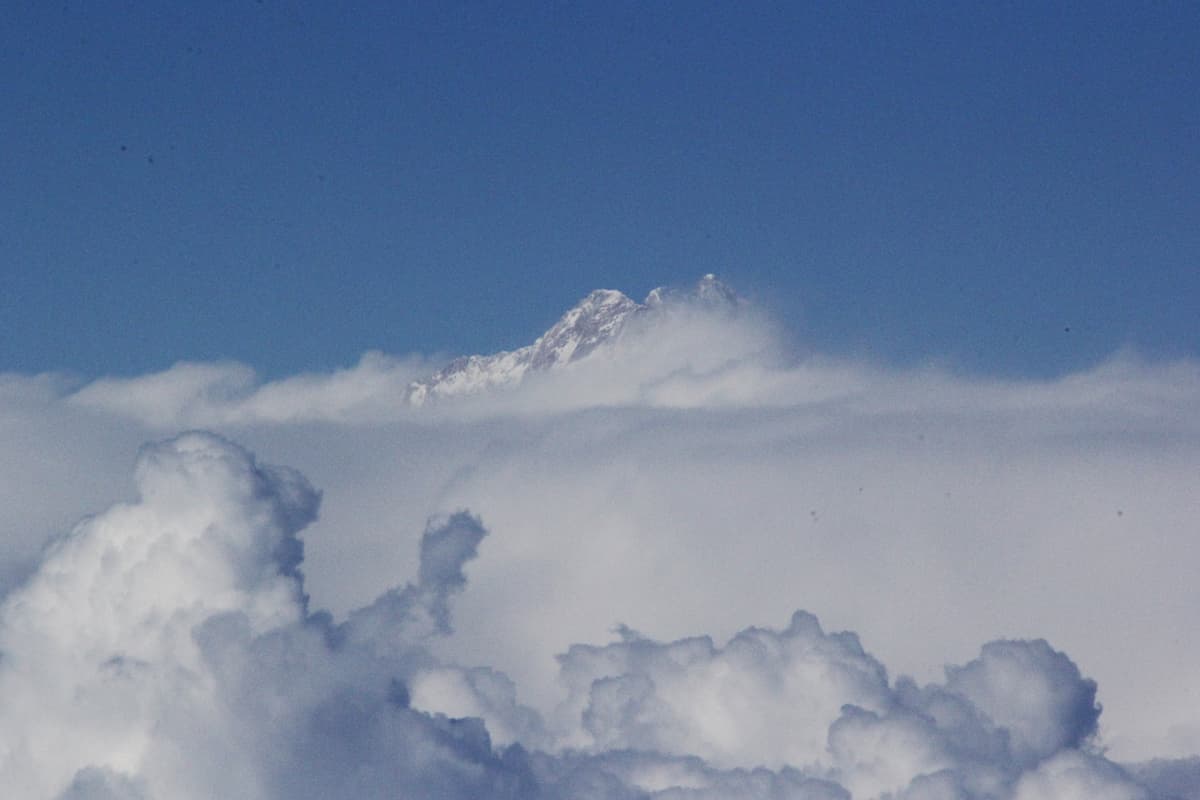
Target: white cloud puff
point(764, 699)
point(1078, 776)
point(103, 629)
point(164, 649)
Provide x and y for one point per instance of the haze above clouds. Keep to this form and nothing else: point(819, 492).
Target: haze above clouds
point(699, 480)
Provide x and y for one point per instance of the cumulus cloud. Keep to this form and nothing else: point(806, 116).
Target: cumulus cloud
point(1078, 776)
point(100, 629)
point(764, 699)
point(165, 648)
point(803, 699)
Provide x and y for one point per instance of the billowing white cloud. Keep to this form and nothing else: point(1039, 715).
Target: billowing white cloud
point(165, 648)
point(1078, 776)
point(764, 699)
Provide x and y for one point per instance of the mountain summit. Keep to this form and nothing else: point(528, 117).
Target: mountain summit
point(594, 322)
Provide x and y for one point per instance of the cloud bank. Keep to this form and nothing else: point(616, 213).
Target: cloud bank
point(700, 474)
point(166, 648)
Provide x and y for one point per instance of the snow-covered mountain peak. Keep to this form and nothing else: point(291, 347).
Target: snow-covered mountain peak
point(603, 298)
point(709, 291)
point(596, 319)
point(594, 322)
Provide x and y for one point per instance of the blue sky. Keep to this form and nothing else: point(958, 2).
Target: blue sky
point(1008, 190)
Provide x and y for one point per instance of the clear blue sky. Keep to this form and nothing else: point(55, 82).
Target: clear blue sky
point(291, 183)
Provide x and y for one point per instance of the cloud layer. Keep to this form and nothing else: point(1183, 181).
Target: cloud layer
point(699, 475)
point(165, 648)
